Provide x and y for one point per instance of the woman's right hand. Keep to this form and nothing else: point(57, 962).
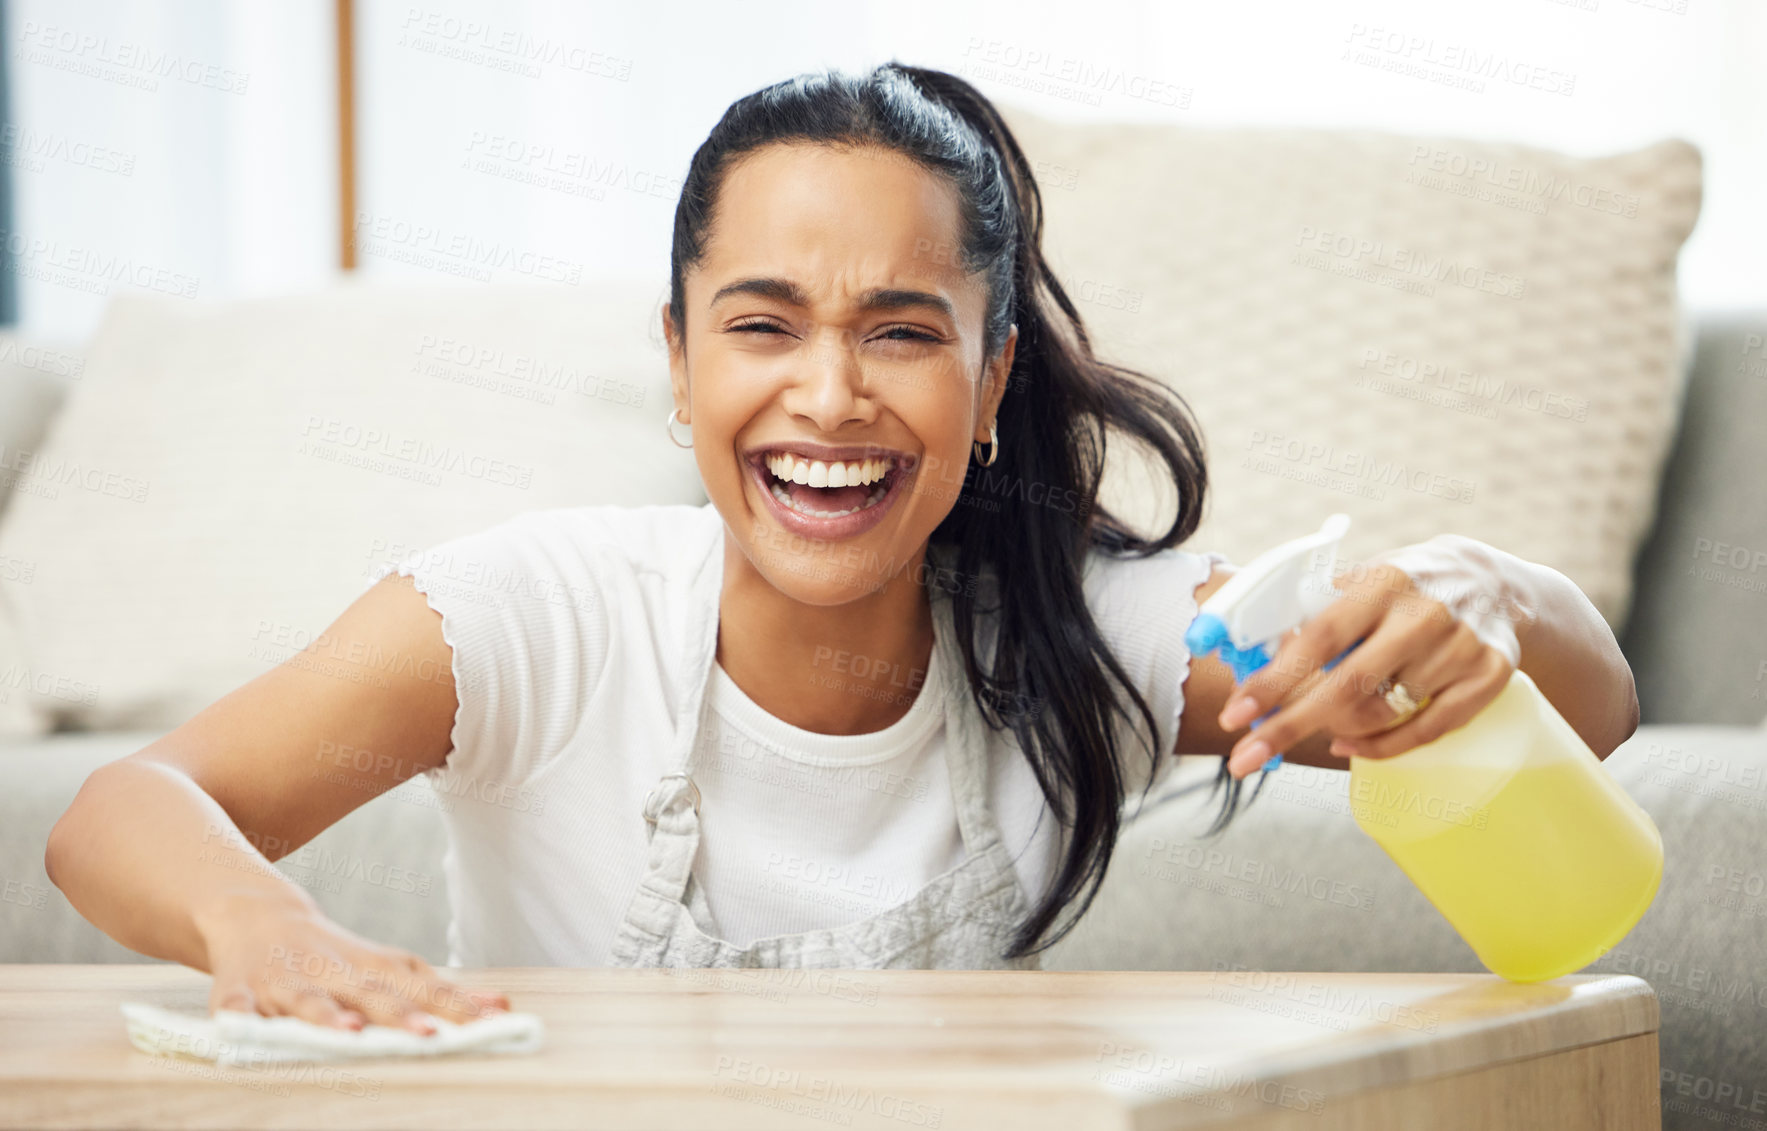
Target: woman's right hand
point(278, 956)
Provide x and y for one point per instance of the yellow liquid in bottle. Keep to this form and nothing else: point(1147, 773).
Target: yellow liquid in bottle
point(1512, 827)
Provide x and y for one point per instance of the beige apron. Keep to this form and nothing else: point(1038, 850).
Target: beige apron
point(962, 919)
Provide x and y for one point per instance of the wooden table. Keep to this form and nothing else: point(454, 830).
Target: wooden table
point(898, 1049)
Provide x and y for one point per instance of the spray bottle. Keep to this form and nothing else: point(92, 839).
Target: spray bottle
point(1509, 824)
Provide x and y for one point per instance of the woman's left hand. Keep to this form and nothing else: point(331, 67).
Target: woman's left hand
point(1407, 636)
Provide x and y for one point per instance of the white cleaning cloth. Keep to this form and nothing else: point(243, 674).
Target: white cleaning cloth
point(236, 1038)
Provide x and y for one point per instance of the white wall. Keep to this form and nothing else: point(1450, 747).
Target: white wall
point(511, 140)
point(180, 146)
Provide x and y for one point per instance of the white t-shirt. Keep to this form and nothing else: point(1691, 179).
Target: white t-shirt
point(569, 639)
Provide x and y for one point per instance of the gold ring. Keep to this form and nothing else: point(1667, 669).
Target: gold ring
point(1402, 699)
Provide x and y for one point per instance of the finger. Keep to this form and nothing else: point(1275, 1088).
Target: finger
point(1459, 652)
point(1301, 653)
point(322, 1010)
point(235, 996)
point(1454, 706)
point(436, 995)
point(1425, 675)
point(1425, 652)
point(444, 998)
point(493, 1001)
point(1347, 698)
point(385, 991)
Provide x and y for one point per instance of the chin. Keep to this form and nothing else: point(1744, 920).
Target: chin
point(809, 581)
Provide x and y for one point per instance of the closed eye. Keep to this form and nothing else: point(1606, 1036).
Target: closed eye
point(912, 333)
point(888, 335)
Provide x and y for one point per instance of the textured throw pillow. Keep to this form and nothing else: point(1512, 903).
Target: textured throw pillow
point(224, 477)
point(1428, 334)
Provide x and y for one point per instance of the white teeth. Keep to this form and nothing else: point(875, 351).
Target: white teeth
point(817, 473)
point(871, 500)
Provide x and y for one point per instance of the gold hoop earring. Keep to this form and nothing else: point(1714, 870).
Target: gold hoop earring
point(993, 447)
point(669, 427)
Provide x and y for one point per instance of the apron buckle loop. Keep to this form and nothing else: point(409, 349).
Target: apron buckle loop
point(650, 800)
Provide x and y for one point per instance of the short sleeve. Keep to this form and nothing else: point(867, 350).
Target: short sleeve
point(523, 611)
point(1143, 607)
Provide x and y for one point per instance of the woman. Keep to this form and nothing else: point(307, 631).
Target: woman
point(902, 672)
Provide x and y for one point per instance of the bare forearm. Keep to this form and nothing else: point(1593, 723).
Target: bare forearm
point(145, 855)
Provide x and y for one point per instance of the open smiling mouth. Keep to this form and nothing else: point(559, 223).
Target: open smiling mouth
point(829, 497)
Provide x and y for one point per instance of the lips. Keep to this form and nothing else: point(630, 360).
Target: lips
point(829, 512)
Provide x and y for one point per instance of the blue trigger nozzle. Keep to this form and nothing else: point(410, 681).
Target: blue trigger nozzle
point(1208, 633)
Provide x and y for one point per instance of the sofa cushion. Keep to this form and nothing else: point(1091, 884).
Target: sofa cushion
point(378, 871)
point(1430, 334)
point(225, 477)
point(1694, 638)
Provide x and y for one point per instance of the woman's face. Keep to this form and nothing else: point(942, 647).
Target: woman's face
point(834, 341)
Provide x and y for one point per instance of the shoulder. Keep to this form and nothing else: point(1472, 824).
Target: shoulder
point(1142, 607)
point(581, 543)
point(1173, 578)
point(539, 607)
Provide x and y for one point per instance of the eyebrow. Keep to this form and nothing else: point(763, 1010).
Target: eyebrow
point(877, 298)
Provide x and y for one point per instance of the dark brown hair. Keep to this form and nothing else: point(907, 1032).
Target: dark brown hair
point(1052, 670)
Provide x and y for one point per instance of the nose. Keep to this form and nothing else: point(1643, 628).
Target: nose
point(828, 386)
